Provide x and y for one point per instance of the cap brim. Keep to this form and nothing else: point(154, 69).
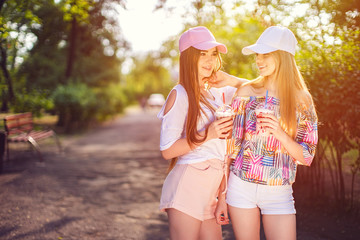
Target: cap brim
point(257, 48)
point(207, 45)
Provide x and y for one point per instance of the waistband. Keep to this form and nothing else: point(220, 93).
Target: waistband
point(221, 165)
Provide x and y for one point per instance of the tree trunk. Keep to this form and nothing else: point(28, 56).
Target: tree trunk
point(71, 50)
point(354, 170)
point(10, 95)
point(2, 2)
point(320, 166)
point(332, 177)
point(4, 102)
point(341, 179)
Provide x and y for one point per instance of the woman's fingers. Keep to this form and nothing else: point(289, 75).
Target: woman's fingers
point(223, 220)
point(269, 122)
point(223, 120)
point(225, 125)
point(220, 128)
point(267, 126)
point(217, 80)
point(218, 218)
point(222, 217)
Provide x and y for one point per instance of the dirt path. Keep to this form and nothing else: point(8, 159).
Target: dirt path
point(106, 186)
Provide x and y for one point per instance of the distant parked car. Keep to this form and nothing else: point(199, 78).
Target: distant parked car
point(156, 100)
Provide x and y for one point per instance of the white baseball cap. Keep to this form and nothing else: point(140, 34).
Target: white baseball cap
point(272, 39)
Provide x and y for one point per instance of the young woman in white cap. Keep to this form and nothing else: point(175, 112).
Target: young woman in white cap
point(269, 146)
point(191, 135)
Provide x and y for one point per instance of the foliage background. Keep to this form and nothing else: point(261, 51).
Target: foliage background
point(72, 68)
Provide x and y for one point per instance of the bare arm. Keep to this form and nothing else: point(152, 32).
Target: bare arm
point(223, 79)
point(221, 211)
point(217, 129)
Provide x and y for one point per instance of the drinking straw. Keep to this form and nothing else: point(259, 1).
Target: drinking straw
point(223, 97)
point(266, 98)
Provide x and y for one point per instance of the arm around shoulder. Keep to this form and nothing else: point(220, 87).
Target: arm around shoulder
point(223, 79)
point(244, 91)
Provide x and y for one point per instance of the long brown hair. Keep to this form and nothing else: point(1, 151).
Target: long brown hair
point(291, 89)
point(188, 78)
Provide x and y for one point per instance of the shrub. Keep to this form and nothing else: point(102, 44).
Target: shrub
point(35, 102)
point(76, 105)
point(111, 101)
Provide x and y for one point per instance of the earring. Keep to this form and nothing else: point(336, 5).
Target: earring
point(207, 86)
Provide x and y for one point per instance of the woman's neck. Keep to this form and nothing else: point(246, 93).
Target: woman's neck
point(271, 79)
point(270, 85)
point(207, 94)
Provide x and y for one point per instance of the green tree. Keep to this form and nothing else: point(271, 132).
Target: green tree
point(148, 76)
point(328, 34)
point(76, 12)
point(329, 39)
point(16, 17)
point(41, 73)
point(43, 67)
point(232, 30)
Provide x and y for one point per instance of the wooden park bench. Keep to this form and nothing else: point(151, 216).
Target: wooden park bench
point(19, 128)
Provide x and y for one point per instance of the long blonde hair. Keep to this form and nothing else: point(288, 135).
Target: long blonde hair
point(291, 89)
point(189, 80)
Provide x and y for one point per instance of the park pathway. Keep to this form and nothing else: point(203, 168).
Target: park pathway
point(106, 186)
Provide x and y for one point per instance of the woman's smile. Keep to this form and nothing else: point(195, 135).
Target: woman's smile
point(208, 68)
point(262, 67)
point(266, 64)
point(207, 62)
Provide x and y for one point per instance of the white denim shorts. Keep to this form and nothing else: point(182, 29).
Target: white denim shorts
point(269, 199)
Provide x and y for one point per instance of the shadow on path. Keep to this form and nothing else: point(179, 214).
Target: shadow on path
point(106, 186)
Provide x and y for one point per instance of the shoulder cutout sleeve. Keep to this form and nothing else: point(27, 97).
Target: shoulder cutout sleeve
point(173, 122)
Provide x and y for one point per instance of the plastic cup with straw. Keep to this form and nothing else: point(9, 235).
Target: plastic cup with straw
point(224, 110)
point(259, 112)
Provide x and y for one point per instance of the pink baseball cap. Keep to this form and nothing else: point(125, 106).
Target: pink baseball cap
point(200, 38)
point(272, 39)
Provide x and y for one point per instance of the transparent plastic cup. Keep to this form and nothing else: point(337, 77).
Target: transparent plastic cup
point(258, 111)
point(224, 111)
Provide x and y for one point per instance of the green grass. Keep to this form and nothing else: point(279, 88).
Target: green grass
point(46, 120)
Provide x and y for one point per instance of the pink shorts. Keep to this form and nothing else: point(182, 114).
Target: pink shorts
point(193, 188)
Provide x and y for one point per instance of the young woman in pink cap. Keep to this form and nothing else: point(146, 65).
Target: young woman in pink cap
point(191, 135)
point(270, 144)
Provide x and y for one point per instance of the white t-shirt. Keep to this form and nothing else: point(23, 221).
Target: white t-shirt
point(173, 125)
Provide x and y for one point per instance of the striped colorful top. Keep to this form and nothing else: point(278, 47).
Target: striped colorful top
point(262, 160)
